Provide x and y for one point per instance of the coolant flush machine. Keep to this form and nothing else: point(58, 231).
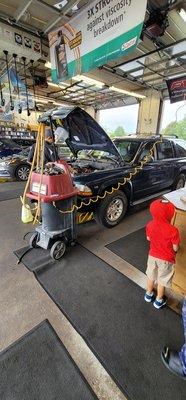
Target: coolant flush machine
point(57, 196)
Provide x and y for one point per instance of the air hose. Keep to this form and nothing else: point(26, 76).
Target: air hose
point(119, 184)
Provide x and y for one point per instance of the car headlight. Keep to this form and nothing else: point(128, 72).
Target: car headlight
point(83, 190)
point(4, 164)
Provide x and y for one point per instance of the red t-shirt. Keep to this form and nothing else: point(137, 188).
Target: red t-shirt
point(162, 236)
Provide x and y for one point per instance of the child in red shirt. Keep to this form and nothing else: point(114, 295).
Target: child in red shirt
point(164, 242)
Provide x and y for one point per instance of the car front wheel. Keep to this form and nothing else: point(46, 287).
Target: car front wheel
point(180, 182)
point(112, 209)
point(22, 172)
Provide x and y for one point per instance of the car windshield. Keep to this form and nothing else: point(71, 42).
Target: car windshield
point(25, 152)
point(127, 148)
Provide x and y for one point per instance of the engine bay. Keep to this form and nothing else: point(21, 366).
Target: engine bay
point(87, 167)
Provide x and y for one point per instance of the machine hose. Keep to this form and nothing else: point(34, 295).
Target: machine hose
point(39, 158)
point(114, 189)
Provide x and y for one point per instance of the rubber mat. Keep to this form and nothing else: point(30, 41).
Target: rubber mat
point(38, 367)
point(132, 248)
point(125, 333)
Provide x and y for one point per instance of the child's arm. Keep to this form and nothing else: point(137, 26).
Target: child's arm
point(147, 232)
point(175, 247)
point(175, 240)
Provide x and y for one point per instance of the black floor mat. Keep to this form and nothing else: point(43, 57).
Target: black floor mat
point(132, 248)
point(108, 310)
point(10, 194)
point(38, 367)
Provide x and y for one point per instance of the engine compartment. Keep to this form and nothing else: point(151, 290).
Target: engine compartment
point(87, 167)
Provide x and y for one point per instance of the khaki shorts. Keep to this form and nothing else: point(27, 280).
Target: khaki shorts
point(160, 271)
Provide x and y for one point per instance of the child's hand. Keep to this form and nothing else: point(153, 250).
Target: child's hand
point(175, 247)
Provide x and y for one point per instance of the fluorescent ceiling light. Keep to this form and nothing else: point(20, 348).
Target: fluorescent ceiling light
point(41, 101)
point(133, 94)
point(88, 80)
point(59, 104)
point(182, 14)
point(48, 64)
point(61, 85)
point(50, 102)
point(61, 4)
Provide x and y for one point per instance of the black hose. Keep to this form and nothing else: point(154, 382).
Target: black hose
point(25, 252)
point(33, 84)
point(26, 234)
point(2, 98)
point(17, 84)
point(8, 74)
point(26, 88)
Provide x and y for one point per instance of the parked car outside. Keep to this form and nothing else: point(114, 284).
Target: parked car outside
point(24, 142)
point(8, 147)
point(16, 166)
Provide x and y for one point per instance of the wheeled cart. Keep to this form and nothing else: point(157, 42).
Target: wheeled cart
point(58, 217)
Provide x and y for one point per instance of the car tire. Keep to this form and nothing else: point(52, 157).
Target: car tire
point(180, 182)
point(22, 172)
point(112, 209)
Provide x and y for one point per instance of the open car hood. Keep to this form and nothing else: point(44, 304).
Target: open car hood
point(84, 132)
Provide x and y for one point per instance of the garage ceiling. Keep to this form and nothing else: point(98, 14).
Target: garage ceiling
point(143, 71)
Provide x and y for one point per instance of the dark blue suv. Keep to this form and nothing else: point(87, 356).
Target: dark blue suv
point(99, 164)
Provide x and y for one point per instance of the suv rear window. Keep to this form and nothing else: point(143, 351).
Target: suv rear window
point(165, 150)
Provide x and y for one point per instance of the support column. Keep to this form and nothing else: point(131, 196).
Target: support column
point(149, 114)
point(91, 111)
point(97, 116)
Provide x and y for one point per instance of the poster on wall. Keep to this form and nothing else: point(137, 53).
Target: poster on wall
point(19, 99)
point(103, 31)
point(177, 89)
point(14, 41)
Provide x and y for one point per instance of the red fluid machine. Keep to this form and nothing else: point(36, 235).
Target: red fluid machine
point(57, 194)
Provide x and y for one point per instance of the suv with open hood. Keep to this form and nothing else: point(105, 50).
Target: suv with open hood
point(99, 164)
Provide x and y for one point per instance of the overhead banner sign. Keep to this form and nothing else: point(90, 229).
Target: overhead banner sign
point(105, 30)
point(177, 89)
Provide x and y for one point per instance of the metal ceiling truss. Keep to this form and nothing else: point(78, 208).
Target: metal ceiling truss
point(149, 53)
point(183, 53)
point(139, 79)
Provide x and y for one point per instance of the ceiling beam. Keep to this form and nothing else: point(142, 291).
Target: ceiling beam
point(54, 22)
point(48, 6)
point(22, 9)
point(62, 14)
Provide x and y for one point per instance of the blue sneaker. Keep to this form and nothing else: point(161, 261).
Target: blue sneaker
point(149, 297)
point(160, 303)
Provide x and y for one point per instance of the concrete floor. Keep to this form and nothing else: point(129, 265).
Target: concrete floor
point(24, 303)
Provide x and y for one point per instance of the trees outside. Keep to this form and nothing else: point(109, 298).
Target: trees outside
point(177, 128)
point(119, 132)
